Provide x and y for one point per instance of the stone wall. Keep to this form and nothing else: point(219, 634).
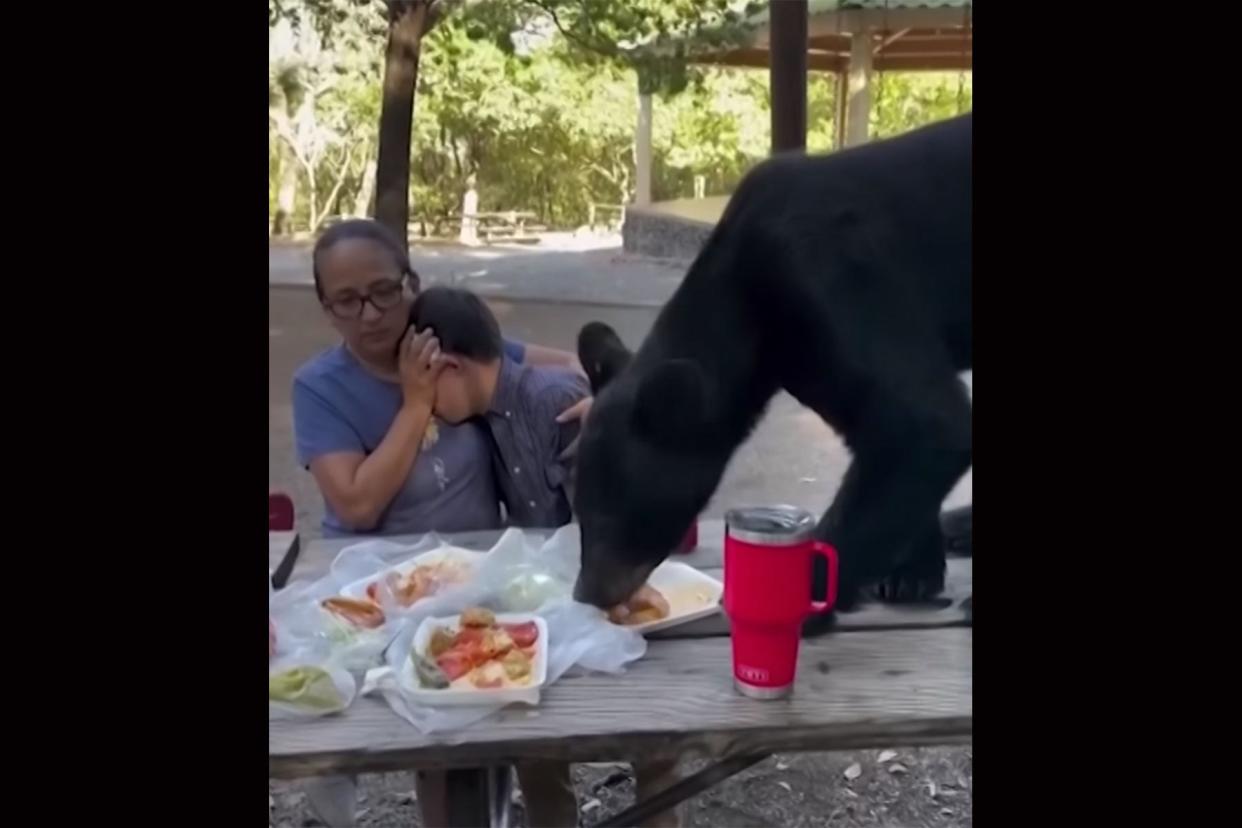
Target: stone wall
point(663, 236)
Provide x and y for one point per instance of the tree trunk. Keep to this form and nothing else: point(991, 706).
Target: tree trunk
point(286, 196)
point(406, 26)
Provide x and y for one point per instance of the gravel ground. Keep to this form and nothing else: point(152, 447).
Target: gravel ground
point(902, 787)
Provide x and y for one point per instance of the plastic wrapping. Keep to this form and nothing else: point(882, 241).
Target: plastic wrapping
point(521, 573)
point(578, 635)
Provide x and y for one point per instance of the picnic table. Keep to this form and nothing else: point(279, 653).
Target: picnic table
point(889, 677)
point(515, 224)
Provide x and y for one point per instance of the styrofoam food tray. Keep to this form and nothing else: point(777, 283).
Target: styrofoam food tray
point(358, 589)
point(681, 584)
point(450, 697)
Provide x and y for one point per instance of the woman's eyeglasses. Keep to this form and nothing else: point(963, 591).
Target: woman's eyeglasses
point(384, 295)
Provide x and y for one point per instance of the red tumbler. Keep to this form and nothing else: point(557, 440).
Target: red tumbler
point(769, 559)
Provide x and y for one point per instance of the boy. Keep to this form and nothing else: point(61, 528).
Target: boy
point(517, 403)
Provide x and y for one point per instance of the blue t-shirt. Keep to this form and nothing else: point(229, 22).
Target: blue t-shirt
point(340, 406)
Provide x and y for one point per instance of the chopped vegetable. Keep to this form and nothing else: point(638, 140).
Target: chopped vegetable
point(305, 686)
point(487, 655)
point(495, 643)
point(517, 665)
point(441, 640)
point(477, 617)
point(490, 676)
point(523, 635)
point(429, 675)
point(454, 663)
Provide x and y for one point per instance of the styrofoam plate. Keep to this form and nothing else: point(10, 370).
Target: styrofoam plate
point(691, 595)
point(358, 589)
point(450, 697)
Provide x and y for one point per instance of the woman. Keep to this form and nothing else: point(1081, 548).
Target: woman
point(363, 426)
point(362, 409)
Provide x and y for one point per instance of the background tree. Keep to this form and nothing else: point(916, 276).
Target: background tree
point(545, 124)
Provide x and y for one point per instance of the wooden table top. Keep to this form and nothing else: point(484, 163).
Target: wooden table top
point(890, 676)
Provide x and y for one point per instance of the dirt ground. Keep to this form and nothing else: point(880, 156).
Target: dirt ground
point(907, 788)
point(792, 458)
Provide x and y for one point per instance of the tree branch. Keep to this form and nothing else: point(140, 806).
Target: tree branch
point(609, 49)
point(611, 178)
point(336, 190)
point(284, 132)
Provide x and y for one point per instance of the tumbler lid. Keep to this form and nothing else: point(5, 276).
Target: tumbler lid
point(770, 525)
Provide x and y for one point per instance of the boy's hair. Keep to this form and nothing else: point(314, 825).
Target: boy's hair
point(463, 324)
point(362, 229)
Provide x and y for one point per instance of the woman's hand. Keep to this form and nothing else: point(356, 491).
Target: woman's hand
point(419, 364)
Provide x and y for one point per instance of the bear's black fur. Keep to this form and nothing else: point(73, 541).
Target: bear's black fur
point(844, 279)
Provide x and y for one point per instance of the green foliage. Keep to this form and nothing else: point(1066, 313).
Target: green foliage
point(544, 123)
point(656, 38)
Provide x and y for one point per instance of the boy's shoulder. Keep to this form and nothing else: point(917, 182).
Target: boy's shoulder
point(545, 387)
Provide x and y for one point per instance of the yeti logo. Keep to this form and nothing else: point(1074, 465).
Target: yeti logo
point(755, 675)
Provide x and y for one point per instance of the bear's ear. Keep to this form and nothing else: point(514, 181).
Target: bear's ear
point(602, 354)
point(671, 405)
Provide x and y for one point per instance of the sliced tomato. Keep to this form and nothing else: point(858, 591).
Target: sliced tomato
point(454, 663)
point(475, 651)
point(523, 635)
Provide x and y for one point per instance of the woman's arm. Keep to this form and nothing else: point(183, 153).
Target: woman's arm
point(359, 487)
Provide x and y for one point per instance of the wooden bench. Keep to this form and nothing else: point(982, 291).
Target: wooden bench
point(514, 225)
point(611, 216)
point(888, 677)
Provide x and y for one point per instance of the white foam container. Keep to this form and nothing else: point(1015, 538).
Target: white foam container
point(673, 578)
point(450, 697)
point(358, 589)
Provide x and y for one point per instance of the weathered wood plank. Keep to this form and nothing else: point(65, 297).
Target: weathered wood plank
point(866, 689)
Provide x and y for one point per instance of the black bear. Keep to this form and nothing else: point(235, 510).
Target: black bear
point(844, 279)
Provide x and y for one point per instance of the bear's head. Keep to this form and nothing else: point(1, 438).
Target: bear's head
point(644, 471)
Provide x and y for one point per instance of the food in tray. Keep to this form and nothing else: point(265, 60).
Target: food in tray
point(479, 653)
point(359, 613)
point(305, 686)
point(644, 606)
point(421, 581)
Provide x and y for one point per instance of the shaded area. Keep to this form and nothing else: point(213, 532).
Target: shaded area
point(914, 786)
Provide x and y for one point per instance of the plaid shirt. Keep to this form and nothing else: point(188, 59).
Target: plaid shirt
point(527, 441)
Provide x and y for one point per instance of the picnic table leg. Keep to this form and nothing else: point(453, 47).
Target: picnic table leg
point(465, 798)
point(642, 813)
point(548, 791)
